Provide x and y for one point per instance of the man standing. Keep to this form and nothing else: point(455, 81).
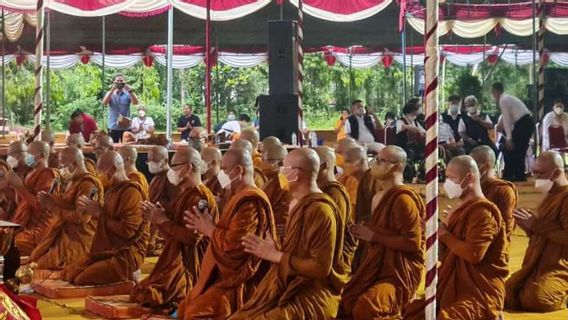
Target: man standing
point(518, 125)
point(187, 122)
point(82, 123)
point(360, 126)
point(119, 99)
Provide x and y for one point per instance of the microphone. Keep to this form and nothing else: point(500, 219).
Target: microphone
point(93, 193)
point(54, 185)
point(202, 205)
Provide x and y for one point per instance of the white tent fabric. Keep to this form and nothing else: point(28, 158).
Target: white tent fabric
point(14, 24)
point(411, 59)
point(181, 62)
point(218, 15)
point(560, 58)
point(338, 17)
point(117, 61)
point(464, 60)
point(58, 62)
point(241, 60)
point(359, 61)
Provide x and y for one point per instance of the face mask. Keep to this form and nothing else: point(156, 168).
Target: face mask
point(543, 185)
point(141, 114)
point(65, 173)
point(119, 85)
point(173, 177)
point(224, 179)
point(454, 108)
point(231, 117)
point(472, 110)
point(289, 174)
point(559, 111)
point(12, 162)
point(453, 190)
point(30, 160)
point(154, 167)
point(268, 168)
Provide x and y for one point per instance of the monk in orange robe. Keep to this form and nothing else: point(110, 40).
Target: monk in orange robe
point(212, 158)
point(69, 239)
point(542, 283)
point(276, 188)
point(129, 154)
point(7, 195)
point(306, 276)
point(16, 159)
point(502, 193)
point(355, 166)
point(35, 221)
point(177, 269)
point(120, 241)
point(229, 275)
point(268, 142)
point(341, 149)
point(471, 277)
point(251, 135)
point(76, 140)
point(48, 137)
point(102, 144)
point(259, 177)
point(391, 269)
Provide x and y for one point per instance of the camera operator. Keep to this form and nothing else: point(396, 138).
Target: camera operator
point(119, 98)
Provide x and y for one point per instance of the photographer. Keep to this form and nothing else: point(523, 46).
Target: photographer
point(119, 99)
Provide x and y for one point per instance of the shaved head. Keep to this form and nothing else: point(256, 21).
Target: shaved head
point(547, 165)
point(326, 154)
point(345, 144)
point(102, 144)
point(110, 159)
point(271, 141)
point(483, 155)
point(275, 152)
point(327, 164)
point(128, 153)
point(189, 156)
point(76, 140)
point(211, 154)
point(251, 135)
point(47, 136)
point(242, 144)
point(355, 154)
point(71, 156)
point(375, 147)
point(39, 148)
point(305, 159)
point(394, 154)
point(552, 159)
point(461, 166)
point(158, 153)
point(17, 147)
point(237, 157)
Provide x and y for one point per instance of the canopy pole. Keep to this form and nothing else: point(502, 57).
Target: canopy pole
point(351, 74)
point(103, 66)
point(3, 77)
point(38, 100)
point(169, 73)
point(534, 75)
point(217, 83)
point(431, 64)
point(403, 41)
point(541, 65)
point(48, 72)
point(208, 65)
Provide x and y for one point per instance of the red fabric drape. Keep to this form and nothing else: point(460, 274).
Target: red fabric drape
point(16, 304)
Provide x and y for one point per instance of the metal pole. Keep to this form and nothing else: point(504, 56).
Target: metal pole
point(350, 74)
point(208, 64)
point(217, 84)
point(403, 40)
point(103, 67)
point(169, 73)
point(534, 75)
point(3, 77)
point(48, 72)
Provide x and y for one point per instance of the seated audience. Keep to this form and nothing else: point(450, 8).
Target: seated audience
point(187, 122)
point(142, 125)
point(447, 142)
point(360, 125)
point(410, 135)
point(340, 125)
point(474, 126)
point(558, 118)
point(453, 116)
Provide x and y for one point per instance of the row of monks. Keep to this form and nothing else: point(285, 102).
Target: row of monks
point(260, 233)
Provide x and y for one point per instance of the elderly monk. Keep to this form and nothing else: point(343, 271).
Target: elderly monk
point(259, 177)
point(228, 275)
point(542, 283)
point(342, 146)
point(391, 269)
point(121, 238)
point(17, 160)
point(212, 161)
point(29, 214)
point(176, 271)
point(306, 276)
point(355, 166)
point(48, 137)
point(269, 142)
point(251, 135)
point(276, 188)
point(129, 155)
point(76, 140)
point(502, 193)
point(69, 239)
point(471, 278)
point(102, 144)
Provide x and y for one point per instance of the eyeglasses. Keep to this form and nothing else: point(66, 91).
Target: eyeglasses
point(178, 165)
point(380, 161)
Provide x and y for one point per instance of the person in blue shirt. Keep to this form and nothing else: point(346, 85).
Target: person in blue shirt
point(118, 99)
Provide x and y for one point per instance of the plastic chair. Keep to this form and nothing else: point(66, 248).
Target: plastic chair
point(557, 139)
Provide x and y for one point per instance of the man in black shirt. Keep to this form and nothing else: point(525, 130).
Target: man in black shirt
point(187, 122)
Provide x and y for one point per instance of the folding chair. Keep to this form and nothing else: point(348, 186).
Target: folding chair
point(557, 140)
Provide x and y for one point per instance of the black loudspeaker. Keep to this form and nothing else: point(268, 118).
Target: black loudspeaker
point(282, 57)
point(278, 116)
point(555, 87)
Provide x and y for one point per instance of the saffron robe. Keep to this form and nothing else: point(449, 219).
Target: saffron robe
point(228, 275)
point(140, 178)
point(278, 192)
point(504, 195)
point(91, 166)
point(120, 241)
point(162, 191)
point(69, 239)
point(542, 283)
point(259, 178)
point(177, 268)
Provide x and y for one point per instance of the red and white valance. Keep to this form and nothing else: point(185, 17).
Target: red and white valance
point(343, 10)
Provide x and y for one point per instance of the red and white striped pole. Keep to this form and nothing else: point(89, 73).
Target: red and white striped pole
point(300, 42)
point(38, 99)
point(208, 65)
point(431, 69)
point(541, 62)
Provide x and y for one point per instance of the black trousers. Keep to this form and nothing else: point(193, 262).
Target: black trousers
point(116, 135)
point(11, 262)
point(515, 169)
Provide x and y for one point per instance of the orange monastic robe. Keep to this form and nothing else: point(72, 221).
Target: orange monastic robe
point(7, 196)
point(368, 187)
point(91, 166)
point(259, 178)
point(351, 184)
point(391, 269)
point(504, 195)
point(140, 178)
point(214, 186)
point(307, 282)
point(177, 269)
point(473, 271)
point(278, 191)
point(229, 275)
point(542, 283)
point(120, 241)
point(162, 191)
point(256, 159)
point(69, 239)
point(34, 220)
point(53, 160)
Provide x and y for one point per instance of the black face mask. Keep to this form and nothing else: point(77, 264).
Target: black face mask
point(119, 85)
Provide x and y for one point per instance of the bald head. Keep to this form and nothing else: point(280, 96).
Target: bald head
point(394, 154)
point(484, 157)
point(239, 160)
point(327, 164)
point(305, 159)
point(375, 147)
point(212, 158)
point(76, 140)
point(464, 165)
point(549, 165)
point(110, 161)
point(242, 144)
point(129, 154)
point(345, 144)
point(270, 141)
point(47, 136)
point(102, 144)
point(274, 152)
point(251, 135)
point(72, 157)
point(355, 154)
point(190, 157)
point(39, 148)
point(17, 147)
point(158, 153)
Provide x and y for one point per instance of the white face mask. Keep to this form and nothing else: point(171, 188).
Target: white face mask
point(559, 111)
point(141, 114)
point(454, 108)
point(173, 177)
point(224, 179)
point(543, 185)
point(12, 162)
point(453, 190)
point(291, 174)
point(30, 160)
point(65, 173)
point(154, 167)
point(472, 110)
point(231, 117)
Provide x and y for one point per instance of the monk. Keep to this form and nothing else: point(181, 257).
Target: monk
point(120, 241)
point(102, 144)
point(306, 276)
point(177, 269)
point(17, 158)
point(542, 283)
point(161, 191)
point(391, 269)
point(355, 166)
point(7, 209)
point(342, 146)
point(259, 177)
point(129, 154)
point(48, 137)
point(69, 239)
point(212, 158)
point(471, 277)
point(229, 275)
point(269, 142)
point(251, 135)
point(76, 140)
point(276, 188)
point(29, 214)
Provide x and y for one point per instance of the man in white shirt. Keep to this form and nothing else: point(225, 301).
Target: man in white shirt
point(142, 126)
point(555, 118)
point(518, 126)
point(360, 126)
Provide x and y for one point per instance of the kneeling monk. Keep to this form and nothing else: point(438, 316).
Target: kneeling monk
point(472, 274)
point(259, 177)
point(306, 276)
point(121, 238)
point(276, 188)
point(391, 269)
point(542, 283)
point(228, 274)
point(176, 271)
point(76, 140)
point(69, 239)
point(129, 155)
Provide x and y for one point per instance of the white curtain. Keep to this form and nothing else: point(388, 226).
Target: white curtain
point(14, 24)
point(180, 61)
point(117, 61)
point(359, 61)
point(411, 60)
point(518, 57)
point(418, 25)
point(464, 60)
point(557, 25)
point(338, 17)
point(58, 62)
point(472, 29)
point(560, 58)
point(240, 60)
